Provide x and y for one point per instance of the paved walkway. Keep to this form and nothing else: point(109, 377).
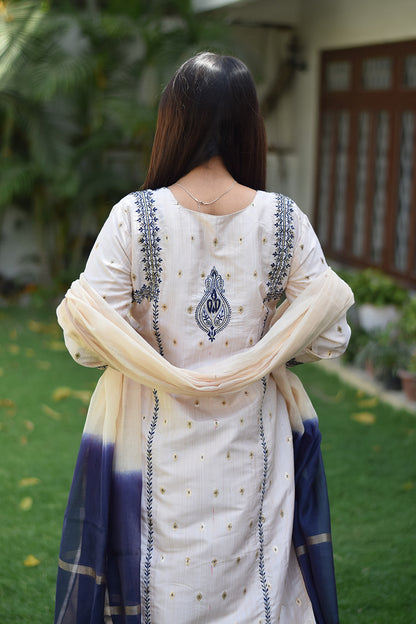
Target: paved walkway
point(363, 381)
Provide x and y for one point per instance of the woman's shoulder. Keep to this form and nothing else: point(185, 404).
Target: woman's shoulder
point(278, 199)
point(142, 198)
point(282, 206)
point(132, 203)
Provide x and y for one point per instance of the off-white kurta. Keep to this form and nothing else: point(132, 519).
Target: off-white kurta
point(218, 491)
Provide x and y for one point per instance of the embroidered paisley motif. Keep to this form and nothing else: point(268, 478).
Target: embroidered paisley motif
point(213, 312)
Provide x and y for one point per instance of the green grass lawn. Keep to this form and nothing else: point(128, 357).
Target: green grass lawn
point(369, 451)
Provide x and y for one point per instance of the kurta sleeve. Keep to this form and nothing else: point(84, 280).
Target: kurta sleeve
point(108, 271)
point(307, 264)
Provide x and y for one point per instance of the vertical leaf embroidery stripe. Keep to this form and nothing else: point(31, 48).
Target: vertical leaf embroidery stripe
point(152, 267)
point(149, 510)
point(262, 572)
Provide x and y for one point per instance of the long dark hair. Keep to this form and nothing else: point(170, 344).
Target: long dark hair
point(209, 108)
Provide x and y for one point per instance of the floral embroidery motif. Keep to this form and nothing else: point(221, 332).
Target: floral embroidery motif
point(283, 252)
point(149, 239)
point(151, 258)
point(283, 243)
point(213, 312)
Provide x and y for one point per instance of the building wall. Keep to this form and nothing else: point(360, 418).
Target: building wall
point(329, 24)
point(260, 35)
point(321, 25)
point(270, 47)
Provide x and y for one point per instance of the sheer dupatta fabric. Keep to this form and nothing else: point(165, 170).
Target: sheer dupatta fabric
point(99, 565)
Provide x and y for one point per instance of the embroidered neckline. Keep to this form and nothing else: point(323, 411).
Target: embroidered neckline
point(252, 204)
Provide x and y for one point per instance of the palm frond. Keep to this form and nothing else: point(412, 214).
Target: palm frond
point(17, 177)
point(19, 24)
point(50, 134)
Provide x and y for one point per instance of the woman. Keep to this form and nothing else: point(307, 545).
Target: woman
point(183, 502)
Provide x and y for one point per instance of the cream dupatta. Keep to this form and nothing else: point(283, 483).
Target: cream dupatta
point(92, 327)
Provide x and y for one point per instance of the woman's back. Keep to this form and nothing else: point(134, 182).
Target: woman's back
point(219, 471)
point(182, 506)
point(200, 286)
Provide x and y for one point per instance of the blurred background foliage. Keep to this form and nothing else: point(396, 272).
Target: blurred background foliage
point(79, 87)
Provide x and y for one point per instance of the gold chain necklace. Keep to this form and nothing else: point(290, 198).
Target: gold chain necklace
point(204, 203)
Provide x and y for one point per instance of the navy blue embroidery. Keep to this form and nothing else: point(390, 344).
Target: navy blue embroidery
point(292, 362)
point(152, 269)
point(283, 243)
point(149, 510)
point(151, 257)
point(149, 240)
point(262, 572)
point(213, 312)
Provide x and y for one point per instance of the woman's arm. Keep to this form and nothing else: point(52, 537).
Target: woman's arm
point(307, 264)
point(108, 271)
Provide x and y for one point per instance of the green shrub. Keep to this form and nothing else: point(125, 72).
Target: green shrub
point(374, 286)
point(407, 322)
point(386, 350)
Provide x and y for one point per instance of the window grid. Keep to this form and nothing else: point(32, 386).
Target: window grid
point(365, 208)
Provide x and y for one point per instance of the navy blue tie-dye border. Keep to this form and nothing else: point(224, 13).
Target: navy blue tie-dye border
point(100, 546)
point(312, 525)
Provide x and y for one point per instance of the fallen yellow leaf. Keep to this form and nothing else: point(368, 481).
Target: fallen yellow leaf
point(43, 328)
point(30, 352)
point(82, 395)
point(368, 402)
point(14, 349)
point(406, 487)
point(23, 440)
point(26, 503)
point(51, 412)
point(29, 481)
point(64, 393)
point(57, 345)
point(7, 403)
point(1, 372)
point(29, 425)
point(61, 393)
point(43, 365)
point(31, 561)
point(36, 327)
point(339, 395)
point(365, 418)
point(13, 334)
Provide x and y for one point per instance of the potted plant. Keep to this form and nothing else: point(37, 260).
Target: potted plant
point(378, 298)
point(359, 339)
point(408, 379)
point(407, 328)
point(384, 355)
point(407, 321)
